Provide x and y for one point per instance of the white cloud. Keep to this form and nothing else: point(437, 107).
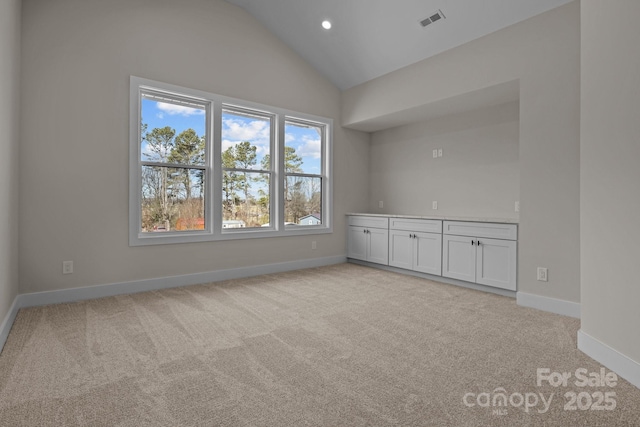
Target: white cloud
point(256, 131)
point(310, 148)
point(182, 110)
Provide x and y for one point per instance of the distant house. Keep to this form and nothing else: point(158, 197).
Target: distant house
point(233, 223)
point(313, 219)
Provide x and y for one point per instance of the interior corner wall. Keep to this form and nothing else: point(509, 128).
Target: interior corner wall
point(77, 57)
point(609, 157)
point(477, 176)
point(543, 54)
point(9, 123)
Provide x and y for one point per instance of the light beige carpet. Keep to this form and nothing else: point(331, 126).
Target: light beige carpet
point(343, 345)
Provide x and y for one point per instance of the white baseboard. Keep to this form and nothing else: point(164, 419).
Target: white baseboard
point(622, 365)
point(108, 290)
point(7, 323)
point(552, 305)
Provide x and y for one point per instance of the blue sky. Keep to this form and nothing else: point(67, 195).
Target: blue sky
point(235, 129)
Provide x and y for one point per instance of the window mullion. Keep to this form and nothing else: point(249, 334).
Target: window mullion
point(305, 175)
point(245, 170)
point(216, 169)
point(279, 172)
point(173, 165)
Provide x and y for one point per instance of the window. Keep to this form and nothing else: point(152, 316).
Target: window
point(206, 167)
point(247, 172)
point(173, 163)
point(303, 172)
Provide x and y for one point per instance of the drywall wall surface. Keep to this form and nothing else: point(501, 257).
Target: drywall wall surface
point(77, 60)
point(9, 123)
point(610, 176)
point(543, 54)
point(478, 174)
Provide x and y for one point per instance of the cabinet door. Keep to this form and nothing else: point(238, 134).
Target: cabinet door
point(378, 245)
point(427, 253)
point(496, 263)
point(357, 243)
point(459, 258)
point(401, 249)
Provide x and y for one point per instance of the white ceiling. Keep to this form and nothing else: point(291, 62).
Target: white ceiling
point(371, 38)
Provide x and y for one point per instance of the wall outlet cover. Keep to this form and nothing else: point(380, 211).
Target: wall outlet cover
point(67, 267)
point(543, 274)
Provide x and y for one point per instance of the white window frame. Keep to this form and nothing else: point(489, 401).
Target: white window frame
point(213, 170)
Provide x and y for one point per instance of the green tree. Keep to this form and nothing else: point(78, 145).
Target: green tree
point(237, 160)
point(160, 143)
point(245, 158)
point(157, 182)
point(292, 161)
point(188, 149)
point(292, 164)
point(230, 179)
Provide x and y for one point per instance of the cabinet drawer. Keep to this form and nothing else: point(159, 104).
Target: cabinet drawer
point(369, 221)
point(481, 229)
point(418, 225)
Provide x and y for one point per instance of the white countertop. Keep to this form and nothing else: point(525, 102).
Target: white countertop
point(442, 217)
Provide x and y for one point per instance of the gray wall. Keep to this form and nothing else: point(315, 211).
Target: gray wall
point(478, 174)
point(9, 123)
point(543, 54)
point(77, 58)
point(610, 175)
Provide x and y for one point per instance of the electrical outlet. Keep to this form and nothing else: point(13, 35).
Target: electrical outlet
point(434, 205)
point(381, 204)
point(543, 274)
point(435, 154)
point(313, 245)
point(517, 207)
point(67, 267)
point(439, 152)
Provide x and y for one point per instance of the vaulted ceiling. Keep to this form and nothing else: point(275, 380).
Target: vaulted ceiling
point(370, 38)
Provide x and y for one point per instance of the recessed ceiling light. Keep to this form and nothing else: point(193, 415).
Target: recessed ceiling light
point(326, 25)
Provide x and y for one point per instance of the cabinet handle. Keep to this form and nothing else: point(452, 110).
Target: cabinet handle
point(478, 243)
point(472, 242)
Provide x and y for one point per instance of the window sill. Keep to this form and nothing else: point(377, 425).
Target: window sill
point(167, 238)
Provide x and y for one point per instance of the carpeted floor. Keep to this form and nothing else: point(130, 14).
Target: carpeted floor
point(343, 345)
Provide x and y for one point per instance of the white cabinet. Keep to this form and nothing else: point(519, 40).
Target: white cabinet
point(369, 239)
point(483, 253)
point(416, 244)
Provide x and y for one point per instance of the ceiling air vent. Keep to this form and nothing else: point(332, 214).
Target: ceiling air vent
point(433, 18)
